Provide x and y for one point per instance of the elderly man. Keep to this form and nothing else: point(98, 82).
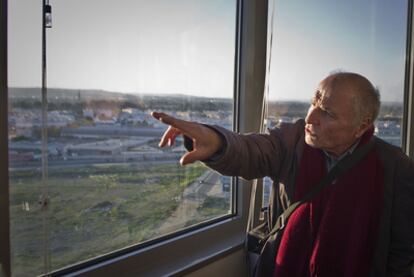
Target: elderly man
point(363, 223)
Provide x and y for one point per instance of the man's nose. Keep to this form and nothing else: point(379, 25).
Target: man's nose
point(313, 115)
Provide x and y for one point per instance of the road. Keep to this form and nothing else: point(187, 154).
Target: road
point(35, 165)
point(192, 198)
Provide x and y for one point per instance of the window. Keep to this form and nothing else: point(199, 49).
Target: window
point(312, 40)
point(96, 182)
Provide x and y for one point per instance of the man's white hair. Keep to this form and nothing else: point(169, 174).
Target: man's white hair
point(366, 97)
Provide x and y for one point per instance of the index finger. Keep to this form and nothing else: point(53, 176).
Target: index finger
point(186, 127)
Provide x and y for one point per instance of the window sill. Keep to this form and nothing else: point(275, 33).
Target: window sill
point(183, 253)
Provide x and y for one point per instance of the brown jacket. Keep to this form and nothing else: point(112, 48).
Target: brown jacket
point(277, 155)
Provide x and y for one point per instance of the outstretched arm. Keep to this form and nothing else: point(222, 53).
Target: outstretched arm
point(249, 156)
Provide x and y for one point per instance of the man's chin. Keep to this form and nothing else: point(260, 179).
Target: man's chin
point(311, 141)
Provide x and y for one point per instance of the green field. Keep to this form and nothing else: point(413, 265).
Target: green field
point(94, 210)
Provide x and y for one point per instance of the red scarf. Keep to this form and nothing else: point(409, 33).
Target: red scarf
point(334, 234)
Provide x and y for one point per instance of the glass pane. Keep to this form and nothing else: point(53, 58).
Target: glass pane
point(311, 39)
point(318, 37)
point(109, 63)
point(27, 221)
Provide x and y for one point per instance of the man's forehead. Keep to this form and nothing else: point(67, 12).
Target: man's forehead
point(335, 98)
point(322, 94)
point(330, 88)
point(325, 86)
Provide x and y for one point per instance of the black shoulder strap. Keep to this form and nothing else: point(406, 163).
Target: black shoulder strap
point(341, 167)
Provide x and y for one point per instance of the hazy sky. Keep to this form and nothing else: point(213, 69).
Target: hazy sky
point(187, 46)
point(312, 38)
point(157, 46)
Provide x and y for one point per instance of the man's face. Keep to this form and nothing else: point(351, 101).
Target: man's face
point(331, 121)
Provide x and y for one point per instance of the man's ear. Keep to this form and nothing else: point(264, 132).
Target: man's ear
point(364, 125)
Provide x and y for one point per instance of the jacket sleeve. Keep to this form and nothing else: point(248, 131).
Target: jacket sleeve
point(401, 251)
point(256, 155)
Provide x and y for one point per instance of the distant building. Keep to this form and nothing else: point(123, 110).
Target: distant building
point(88, 113)
point(106, 147)
point(105, 131)
point(21, 157)
point(59, 118)
point(130, 116)
point(389, 130)
point(21, 150)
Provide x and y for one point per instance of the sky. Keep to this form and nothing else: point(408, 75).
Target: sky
point(313, 38)
point(188, 46)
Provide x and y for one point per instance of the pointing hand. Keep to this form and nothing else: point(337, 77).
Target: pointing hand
point(206, 141)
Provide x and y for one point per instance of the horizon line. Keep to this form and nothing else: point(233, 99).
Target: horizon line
point(174, 94)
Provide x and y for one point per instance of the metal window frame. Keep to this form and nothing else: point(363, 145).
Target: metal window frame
point(408, 133)
point(5, 264)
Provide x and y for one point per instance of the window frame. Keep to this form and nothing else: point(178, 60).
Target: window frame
point(408, 115)
point(5, 261)
point(176, 254)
